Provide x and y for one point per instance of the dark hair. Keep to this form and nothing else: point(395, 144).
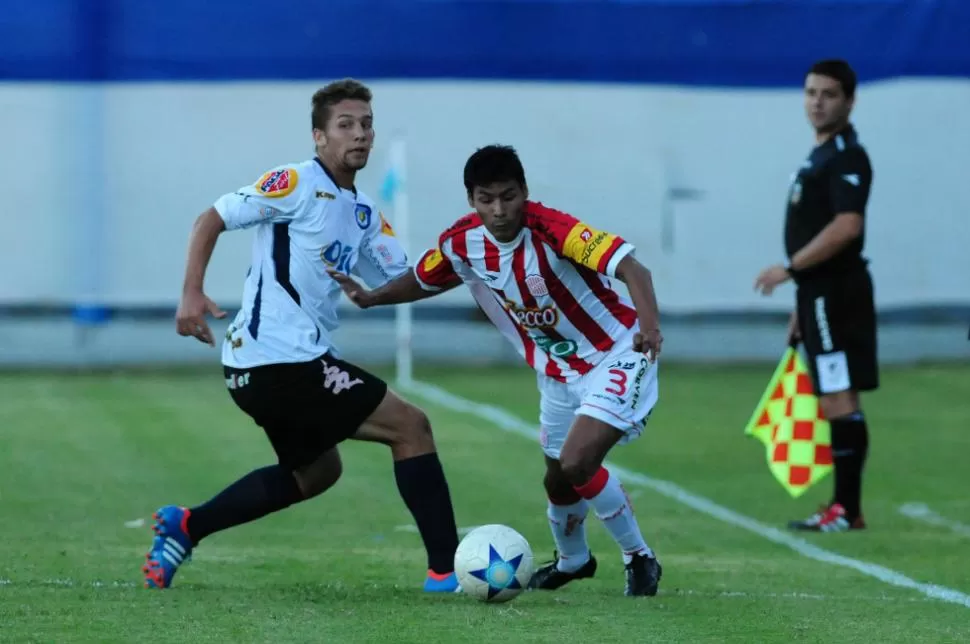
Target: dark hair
point(493, 164)
point(328, 96)
point(838, 69)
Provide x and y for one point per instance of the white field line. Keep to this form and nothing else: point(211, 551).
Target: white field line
point(511, 423)
point(14, 585)
point(922, 512)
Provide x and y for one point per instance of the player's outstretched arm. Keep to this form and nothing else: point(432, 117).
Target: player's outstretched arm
point(637, 278)
point(190, 317)
point(401, 289)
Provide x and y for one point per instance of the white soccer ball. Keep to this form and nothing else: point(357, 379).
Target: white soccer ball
point(494, 563)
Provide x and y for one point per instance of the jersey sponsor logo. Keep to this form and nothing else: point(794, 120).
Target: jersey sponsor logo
point(336, 379)
point(385, 253)
point(237, 380)
point(534, 318)
point(536, 285)
point(277, 183)
point(322, 194)
point(586, 246)
point(338, 256)
point(593, 249)
point(385, 227)
point(556, 348)
point(362, 215)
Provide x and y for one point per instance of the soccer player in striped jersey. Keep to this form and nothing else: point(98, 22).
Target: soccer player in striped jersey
point(544, 279)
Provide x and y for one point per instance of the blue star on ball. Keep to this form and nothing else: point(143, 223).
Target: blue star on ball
point(500, 574)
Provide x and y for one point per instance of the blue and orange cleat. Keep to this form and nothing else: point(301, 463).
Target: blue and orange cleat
point(171, 546)
point(441, 583)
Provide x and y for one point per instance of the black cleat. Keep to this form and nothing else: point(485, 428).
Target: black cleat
point(642, 576)
point(549, 577)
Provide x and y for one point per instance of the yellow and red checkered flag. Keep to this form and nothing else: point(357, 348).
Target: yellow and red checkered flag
point(789, 421)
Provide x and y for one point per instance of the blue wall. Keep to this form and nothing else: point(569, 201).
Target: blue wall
point(689, 42)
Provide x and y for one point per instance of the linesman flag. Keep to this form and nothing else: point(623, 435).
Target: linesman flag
point(789, 421)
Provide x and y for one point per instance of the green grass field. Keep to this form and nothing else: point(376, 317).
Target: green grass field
point(83, 455)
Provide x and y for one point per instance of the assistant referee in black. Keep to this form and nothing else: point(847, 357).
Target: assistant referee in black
point(834, 316)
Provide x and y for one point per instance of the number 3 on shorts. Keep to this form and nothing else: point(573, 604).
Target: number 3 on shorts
point(619, 381)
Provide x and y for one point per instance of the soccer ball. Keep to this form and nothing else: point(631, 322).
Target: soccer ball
point(494, 563)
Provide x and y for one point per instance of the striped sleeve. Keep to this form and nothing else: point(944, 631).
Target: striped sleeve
point(579, 242)
point(434, 271)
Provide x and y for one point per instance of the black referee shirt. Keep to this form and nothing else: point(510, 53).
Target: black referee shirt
point(835, 178)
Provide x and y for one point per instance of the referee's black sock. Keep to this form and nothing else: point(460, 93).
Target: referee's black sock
point(850, 447)
point(261, 492)
point(422, 485)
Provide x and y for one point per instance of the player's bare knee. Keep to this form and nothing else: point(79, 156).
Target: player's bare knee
point(558, 488)
point(415, 428)
point(577, 468)
point(317, 478)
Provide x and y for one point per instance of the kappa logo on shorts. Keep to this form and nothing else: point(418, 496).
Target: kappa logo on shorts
point(336, 379)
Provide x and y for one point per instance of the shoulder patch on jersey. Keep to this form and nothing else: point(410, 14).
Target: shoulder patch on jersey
point(432, 261)
point(277, 183)
point(385, 227)
point(362, 213)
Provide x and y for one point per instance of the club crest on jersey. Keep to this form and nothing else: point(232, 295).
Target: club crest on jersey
point(534, 318)
point(536, 285)
point(385, 227)
point(362, 215)
point(277, 183)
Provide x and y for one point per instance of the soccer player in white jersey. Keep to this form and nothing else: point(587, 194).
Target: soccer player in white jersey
point(543, 278)
point(281, 367)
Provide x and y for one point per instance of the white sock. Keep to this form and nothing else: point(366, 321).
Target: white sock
point(612, 506)
point(568, 526)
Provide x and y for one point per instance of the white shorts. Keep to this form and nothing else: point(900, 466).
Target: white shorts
point(621, 391)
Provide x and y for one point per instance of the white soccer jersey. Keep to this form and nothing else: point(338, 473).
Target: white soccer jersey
point(548, 291)
point(304, 224)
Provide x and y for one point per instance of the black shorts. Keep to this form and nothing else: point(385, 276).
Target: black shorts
point(306, 408)
point(837, 319)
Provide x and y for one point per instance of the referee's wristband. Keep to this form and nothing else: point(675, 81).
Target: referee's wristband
point(791, 271)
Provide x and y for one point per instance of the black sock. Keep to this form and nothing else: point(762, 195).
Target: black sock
point(255, 495)
point(422, 485)
point(850, 447)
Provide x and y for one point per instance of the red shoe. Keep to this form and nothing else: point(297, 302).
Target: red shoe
point(830, 518)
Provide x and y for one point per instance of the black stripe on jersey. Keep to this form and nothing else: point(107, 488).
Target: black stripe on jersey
point(257, 304)
point(281, 259)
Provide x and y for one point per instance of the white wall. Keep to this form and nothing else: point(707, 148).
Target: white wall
point(605, 153)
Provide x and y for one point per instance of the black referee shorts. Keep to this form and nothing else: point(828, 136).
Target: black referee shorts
point(837, 319)
point(306, 408)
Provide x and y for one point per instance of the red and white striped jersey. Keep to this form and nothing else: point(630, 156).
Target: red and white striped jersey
point(548, 290)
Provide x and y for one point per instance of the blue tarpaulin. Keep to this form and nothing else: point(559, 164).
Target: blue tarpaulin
point(692, 42)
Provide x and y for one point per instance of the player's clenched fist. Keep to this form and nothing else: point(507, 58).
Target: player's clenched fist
point(648, 342)
point(354, 291)
point(190, 317)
